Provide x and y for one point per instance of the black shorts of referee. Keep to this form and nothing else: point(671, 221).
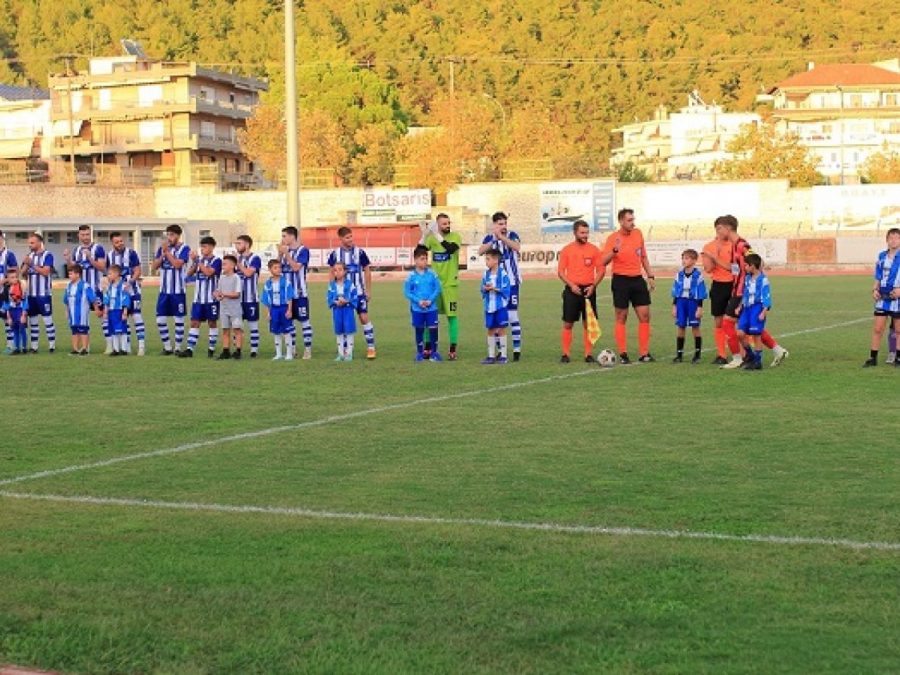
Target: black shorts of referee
point(629, 291)
point(574, 305)
point(719, 295)
point(731, 309)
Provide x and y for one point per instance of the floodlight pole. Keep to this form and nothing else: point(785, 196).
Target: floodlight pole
point(290, 114)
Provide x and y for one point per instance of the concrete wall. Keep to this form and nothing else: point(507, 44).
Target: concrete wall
point(50, 201)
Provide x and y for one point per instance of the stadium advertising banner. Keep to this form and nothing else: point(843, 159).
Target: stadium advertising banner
point(386, 205)
point(667, 254)
point(564, 203)
point(838, 208)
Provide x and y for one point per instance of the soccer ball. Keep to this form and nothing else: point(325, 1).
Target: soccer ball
point(606, 358)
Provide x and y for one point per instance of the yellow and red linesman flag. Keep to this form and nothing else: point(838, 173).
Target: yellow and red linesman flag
point(593, 326)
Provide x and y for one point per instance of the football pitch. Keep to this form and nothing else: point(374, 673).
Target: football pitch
point(162, 515)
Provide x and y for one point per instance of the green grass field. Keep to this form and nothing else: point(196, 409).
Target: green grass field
point(185, 584)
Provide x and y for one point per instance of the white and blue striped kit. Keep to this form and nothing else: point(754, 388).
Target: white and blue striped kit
point(494, 301)
point(83, 257)
point(171, 278)
point(78, 298)
point(887, 274)
point(205, 286)
point(117, 296)
point(508, 257)
point(355, 261)
point(127, 259)
point(689, 286)
point(296, 279)
point(250, 284)
point(39, 286)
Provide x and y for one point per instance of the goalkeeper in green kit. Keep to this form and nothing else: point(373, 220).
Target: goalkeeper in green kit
point(444, 246)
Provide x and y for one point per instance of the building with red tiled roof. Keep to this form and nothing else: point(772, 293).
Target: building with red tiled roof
point(843, 112)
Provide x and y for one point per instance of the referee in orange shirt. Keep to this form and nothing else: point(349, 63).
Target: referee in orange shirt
point(625, 249)
point(580, 269)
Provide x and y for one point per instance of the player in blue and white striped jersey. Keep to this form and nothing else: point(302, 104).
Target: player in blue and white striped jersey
point(357, 264)
point(886, 293)
point(507, 242)
point(207, 267)
point(294, 261)
point(248, 267)
point(130, 263)
point(171, 259)
point(7, 261)
point(38, 266)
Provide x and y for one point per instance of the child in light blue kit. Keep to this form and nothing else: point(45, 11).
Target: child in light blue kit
point(422, 289)
point(278, 296)
point(343, 299)
point(755, 305)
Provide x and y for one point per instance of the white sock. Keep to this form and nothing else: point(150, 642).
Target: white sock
point(349, 349)
point(492, 345)
point(278, 339)
point(503, 346)
point(340, 344)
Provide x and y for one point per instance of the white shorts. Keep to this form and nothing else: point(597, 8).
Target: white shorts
point(232, 321)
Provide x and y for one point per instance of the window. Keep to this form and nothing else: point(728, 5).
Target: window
point(208, 130)
point(150, 130)
point(892, 100)
point(207, 94)
point(149, 94)
point(71, 237)
point(105, 102)
point(231, 97)
point(76, 101)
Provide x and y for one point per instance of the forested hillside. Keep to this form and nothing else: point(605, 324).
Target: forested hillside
point(579, 67)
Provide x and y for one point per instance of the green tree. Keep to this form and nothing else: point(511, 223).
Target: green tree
point(629, 172)
point(762, 151)
point(882, 167)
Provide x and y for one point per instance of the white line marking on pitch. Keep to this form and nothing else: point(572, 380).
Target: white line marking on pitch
point(187, 447)
point(294, 427)
point(469, 522)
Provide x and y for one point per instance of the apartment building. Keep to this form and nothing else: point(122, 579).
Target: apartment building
point(135, 112)
point(842, 112)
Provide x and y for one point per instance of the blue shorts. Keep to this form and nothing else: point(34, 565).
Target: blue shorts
point(498, 319)
point(300, 309)
point(40, 305)
point(205, 311)
point(686, 313)
point(250, 311)
point(279, 323)
point(79, 330)
point(749, 322)
point(513, 303)
point(117, 325)
point(427, 319)
point(171, 304)
point(344, 320)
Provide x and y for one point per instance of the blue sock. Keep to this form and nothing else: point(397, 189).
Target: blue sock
point(434, 338)
point(420, 339)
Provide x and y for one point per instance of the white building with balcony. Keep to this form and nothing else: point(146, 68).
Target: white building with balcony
point(683, 145)
point(24, 122)
point(132, 111)
point(843, 113)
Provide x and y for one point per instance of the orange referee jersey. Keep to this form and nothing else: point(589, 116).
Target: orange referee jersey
point(627, 261)
point(720, 250)
point(579, 263)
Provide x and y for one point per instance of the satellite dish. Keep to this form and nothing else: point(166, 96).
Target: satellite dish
point(133, 48)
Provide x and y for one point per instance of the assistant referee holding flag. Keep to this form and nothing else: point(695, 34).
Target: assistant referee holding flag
point(580, 269)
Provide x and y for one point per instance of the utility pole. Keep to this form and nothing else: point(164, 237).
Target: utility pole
point(290, 113)
point(69, 74)
point(841, 140)
point(452, 60)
